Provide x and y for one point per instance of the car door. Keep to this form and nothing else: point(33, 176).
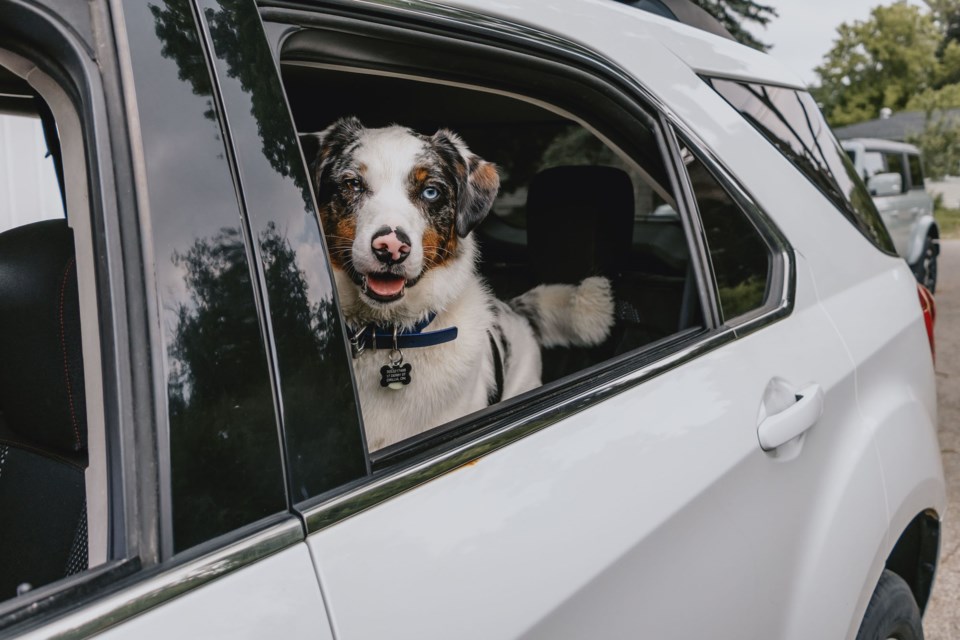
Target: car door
point(637, 500)
point(652, 512)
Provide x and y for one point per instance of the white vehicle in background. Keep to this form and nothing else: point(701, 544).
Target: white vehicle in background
point(893, 173)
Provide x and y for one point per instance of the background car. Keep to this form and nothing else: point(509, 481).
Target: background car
point(752, 453)
point(893, 172)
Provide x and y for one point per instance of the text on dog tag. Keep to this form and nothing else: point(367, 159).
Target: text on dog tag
point(395, 376)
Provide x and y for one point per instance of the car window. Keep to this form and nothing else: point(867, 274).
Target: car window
point(916, 171)
point(51, 417)
point(577, 200)
point(894, 163)
point(225, 457)
point(792, 122)
point(740, 257)
point(25, 164)
point(873, 163)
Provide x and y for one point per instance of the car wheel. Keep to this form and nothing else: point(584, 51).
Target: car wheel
point(892, 613)
point(925, 269)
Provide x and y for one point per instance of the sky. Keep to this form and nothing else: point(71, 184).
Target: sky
point(805, 29)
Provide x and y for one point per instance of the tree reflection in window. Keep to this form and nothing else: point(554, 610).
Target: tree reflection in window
point(791, 121)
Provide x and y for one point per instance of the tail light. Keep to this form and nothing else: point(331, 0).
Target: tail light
point(929, 314)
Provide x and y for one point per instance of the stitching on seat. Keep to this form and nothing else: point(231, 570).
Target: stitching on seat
point(63, 347)
point(23, 446)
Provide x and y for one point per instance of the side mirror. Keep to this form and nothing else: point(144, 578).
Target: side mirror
point(885, 184)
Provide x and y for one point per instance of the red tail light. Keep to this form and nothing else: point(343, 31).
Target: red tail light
point(929, 314)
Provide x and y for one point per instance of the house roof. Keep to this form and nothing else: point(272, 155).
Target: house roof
point(896, 127)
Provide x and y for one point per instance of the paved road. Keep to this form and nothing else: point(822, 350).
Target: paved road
point(942, 620)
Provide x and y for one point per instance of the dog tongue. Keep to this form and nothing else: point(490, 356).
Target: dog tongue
point(385, 285)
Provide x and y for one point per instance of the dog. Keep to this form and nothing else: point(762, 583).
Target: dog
point(430, 341)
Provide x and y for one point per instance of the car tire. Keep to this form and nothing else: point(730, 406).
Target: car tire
point(892, 613)
point(925, 268)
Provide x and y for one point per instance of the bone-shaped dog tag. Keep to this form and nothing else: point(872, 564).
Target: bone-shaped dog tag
point(395, 376)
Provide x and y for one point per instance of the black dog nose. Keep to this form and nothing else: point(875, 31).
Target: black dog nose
point(391, 246)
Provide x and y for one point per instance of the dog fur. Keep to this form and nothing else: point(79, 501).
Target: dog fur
point(397, 210)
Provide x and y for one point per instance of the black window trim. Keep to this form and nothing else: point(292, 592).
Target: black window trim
point(502, 425)
point(907, 155)
point(780, 277)
point(839, 200)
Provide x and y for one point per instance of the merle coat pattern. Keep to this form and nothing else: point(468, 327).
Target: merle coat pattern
point(397, 210)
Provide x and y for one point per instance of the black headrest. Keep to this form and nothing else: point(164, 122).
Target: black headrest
point(579, 222)
point(42, 400)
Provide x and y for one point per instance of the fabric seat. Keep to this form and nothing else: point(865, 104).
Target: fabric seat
point(43, 431)
point(580, 224)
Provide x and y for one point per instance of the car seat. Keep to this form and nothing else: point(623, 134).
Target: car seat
point(43, 431)
point(580, 222)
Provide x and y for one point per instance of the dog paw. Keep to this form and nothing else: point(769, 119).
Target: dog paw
point(592, 311)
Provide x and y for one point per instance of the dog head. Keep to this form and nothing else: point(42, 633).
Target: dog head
point(397, 209)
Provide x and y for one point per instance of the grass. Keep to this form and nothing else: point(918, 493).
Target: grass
point(948, 220)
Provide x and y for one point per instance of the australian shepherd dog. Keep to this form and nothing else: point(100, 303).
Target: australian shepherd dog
point(430, 341)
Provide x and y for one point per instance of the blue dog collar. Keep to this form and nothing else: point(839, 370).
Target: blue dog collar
point(381, 337)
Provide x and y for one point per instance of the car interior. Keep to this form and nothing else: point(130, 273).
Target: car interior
point(570, 205)
point(50, 466)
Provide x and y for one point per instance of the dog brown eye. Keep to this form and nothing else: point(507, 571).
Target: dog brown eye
point(352, 184)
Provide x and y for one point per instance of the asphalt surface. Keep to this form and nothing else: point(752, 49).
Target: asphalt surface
point(942, 619)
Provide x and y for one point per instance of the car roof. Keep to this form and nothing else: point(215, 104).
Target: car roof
point(879, 144)
point(654, 36)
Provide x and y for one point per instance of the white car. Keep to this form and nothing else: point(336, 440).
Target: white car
point(751, 454)
point(893, 172)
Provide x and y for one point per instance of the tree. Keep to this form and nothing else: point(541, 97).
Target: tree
point(881, 62)
point(733, 13)
point(939, 143)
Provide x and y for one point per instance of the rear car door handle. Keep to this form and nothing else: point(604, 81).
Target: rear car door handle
point(786, 425)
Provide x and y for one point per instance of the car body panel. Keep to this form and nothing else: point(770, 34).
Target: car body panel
point(277, 595)
point(586, 517)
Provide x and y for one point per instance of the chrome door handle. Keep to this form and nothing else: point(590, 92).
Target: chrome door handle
point(786, 425)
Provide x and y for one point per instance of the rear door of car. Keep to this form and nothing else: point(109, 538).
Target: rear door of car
point(638, 501)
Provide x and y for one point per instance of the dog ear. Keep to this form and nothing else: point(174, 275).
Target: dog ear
point(477, 181)
point(319, 146)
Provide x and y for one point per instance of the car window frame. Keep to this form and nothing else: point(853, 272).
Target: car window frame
point(914, 159)
point(82, 86)
point(496, 427)
point(901, 169)
point(140, 572)
point(865, 217)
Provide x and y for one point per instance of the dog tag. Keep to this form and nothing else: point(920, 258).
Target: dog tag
point(395, 376)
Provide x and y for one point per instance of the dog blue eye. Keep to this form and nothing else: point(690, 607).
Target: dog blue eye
point(430, 194)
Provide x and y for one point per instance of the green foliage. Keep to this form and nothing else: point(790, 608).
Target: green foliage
point(881, 62)
point(939, 142)
point(741, 297)
point(947, 97)
point(947, 219)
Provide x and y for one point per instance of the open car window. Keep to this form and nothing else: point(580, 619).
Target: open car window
point(584, 192)
point(53, 475)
